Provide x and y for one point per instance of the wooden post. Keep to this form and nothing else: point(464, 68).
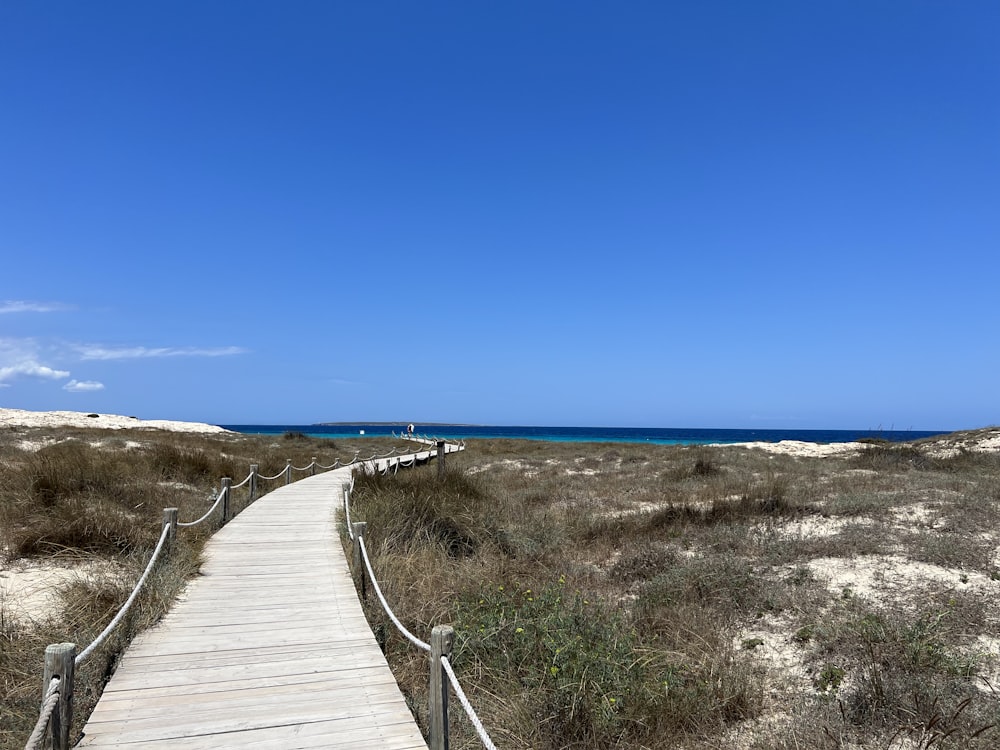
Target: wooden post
point(440, 457)
point(442, 639)
point(170, 520)
point(253, 482)
point(312, 467)
point(360, 528)
point(59, 662)
point(288, 472)
point(226, 510)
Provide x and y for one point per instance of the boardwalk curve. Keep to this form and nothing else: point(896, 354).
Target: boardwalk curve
point(267, 648)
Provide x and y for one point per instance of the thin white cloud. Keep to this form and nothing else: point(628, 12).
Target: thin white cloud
point(145, 352)
point(21, 358)
point(83, 386)
point(23, 306)
point(31, 368)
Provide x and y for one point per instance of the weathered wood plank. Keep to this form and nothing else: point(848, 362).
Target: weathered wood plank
point(336, 733)
point(230, 710)
point(268, 648)
point(148, 702)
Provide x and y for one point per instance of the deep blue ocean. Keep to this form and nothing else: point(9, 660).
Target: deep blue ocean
point(661, 435)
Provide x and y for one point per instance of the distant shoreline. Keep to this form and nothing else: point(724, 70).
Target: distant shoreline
point(394, 424)
point(674, 436)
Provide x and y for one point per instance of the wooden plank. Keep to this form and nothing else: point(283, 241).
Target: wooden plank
point(329, 696)
point(268, 648)
point(161, 661)
point(225, 733)
point(353, 733)
point(149, 701)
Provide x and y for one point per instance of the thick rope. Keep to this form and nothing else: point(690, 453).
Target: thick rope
point(347, 510)
point(237, 486)
point(304, 468)
point(49, 704)
point(470, 712)
point(82, 656)
point(279, 474)
point(385, 605)
point(207, 513)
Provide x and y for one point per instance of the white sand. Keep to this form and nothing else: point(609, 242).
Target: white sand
point(885, 577)
point(23, 418)
point(799, 447)
point(987, 440)
point(29, 590)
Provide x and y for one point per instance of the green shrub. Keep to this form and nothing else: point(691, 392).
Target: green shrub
point(578, 661)
point(725, 582)
point(415, 507)
point(890, 457)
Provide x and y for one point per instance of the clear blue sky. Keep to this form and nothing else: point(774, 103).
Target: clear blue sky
point(676, 214)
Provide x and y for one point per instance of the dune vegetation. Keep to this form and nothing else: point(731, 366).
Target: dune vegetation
point(80, 513)
point(603, 595)
point(701, 597)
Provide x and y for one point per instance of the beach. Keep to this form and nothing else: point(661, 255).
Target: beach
point(25, 418)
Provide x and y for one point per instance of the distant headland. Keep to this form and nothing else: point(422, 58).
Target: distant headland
point(393, 424)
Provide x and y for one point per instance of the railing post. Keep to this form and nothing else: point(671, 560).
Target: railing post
point(59, 662)
point(440, 457)
point(312, 466)
point(253, 482)
point(170, 520)
point(226, 484)
point(442, 638)
point(288, 472)
point(360, 528)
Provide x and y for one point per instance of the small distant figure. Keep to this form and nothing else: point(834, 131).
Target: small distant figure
point(409, 429)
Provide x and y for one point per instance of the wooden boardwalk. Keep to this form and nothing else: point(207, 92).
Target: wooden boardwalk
point(268, 648)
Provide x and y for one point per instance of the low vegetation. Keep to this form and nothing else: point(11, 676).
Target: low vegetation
point(688, 597)
point(90, 503)
point(603, 595)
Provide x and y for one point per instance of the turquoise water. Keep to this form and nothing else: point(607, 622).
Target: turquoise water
point(660, 435)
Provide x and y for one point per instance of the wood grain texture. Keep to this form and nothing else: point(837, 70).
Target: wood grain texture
point(267, 648)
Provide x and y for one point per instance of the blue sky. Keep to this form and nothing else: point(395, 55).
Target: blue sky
point(713, 214)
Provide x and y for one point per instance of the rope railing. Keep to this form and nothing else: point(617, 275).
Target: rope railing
point(245, 481)
point(49, 703)
point(347, 508)
point(57, 702)
point(83, 655)
point(335, 465)
point(441, 638)
point(276, 476)
point(469, 710)
point(385, 605)
point(215, 504)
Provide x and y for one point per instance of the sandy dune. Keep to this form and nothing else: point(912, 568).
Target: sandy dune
point(23, 418)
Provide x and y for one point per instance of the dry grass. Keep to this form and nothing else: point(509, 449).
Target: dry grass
point(603, 595)
point(88, 500)
point(664, 597)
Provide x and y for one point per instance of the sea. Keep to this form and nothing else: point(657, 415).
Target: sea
point(659, 435)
